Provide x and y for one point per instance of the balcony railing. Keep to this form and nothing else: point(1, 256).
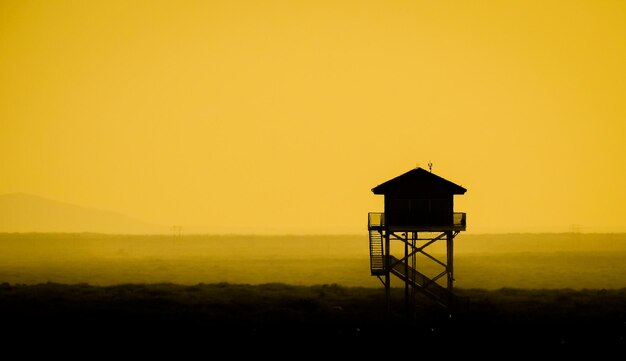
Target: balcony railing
point(459, 219)
point(376, 220)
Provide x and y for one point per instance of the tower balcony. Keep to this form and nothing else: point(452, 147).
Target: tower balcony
point(376, 221)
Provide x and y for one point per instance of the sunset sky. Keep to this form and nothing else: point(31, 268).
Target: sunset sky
point(280, 116)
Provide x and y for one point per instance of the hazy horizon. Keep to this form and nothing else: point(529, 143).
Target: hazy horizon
point(574, 261)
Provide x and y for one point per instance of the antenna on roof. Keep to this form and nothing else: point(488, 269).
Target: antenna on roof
point(430, 166)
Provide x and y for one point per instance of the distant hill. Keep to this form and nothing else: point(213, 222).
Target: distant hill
point(20, 212)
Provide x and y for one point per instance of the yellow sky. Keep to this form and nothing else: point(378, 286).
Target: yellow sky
point(282, 115)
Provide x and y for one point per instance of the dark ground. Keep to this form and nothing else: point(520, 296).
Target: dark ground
point(279, 320)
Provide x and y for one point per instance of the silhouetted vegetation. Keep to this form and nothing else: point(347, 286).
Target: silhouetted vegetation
point(273, 317)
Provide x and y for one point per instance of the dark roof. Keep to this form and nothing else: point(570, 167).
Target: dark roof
point(420, 181)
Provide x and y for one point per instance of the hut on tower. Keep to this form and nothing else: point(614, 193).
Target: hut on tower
point(419, 200)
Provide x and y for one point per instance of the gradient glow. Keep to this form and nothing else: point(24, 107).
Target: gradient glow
point(280, 116)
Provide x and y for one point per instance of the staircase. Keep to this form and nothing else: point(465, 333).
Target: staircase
point(416, 279)
point(377, 264)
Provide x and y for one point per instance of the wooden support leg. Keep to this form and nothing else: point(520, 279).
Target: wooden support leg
point(450, 260)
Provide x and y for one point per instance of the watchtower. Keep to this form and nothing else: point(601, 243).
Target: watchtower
point(419, 213)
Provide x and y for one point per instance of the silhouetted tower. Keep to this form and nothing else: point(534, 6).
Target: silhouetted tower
point(419, 213)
